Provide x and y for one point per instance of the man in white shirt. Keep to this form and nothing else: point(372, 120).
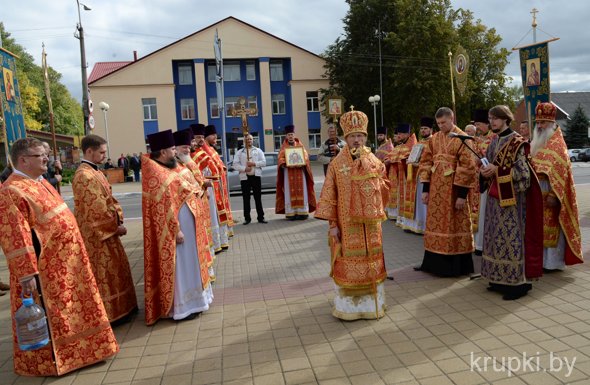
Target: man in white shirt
point(249, 161)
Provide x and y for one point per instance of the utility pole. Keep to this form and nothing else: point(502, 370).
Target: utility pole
point(83, 66)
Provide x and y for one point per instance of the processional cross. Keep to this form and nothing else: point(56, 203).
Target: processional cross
point(243, 113)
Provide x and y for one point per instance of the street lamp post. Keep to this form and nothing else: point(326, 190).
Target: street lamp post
point(80, 37)
point(105, 107)
point(374, 100)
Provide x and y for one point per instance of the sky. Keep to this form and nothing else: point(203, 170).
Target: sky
point(115, 28)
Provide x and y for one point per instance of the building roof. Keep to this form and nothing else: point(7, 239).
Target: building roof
point(102, 69)
point(569, 101)
point(92, 79)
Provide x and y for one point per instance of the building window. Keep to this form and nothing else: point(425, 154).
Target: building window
point(276, 71)
point(315, 140)
point(211, 73)
point(214, 107)
point(313, 101)
point(150, 110)
point(187, 109)
point(231, 72)
point(185, 74)
point(253, 103)
point(230, 101)
point(279, 139)
point(250, 70)
point(278, 104)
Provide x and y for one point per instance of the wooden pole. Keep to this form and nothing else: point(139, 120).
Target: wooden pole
point(452, 84)
point(50, 106)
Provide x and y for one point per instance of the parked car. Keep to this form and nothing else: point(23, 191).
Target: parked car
point(269, 175)
point(584, 155)
point(574, 154)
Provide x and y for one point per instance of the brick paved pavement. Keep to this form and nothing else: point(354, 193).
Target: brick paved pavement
point(270, 322)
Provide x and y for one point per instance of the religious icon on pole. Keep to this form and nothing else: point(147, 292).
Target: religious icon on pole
point(461, 69)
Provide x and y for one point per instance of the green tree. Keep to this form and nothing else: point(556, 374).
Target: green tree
point(576, 129)
point(417, 36)
point(66, 110)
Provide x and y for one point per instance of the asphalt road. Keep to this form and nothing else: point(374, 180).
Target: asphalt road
point(131, 203)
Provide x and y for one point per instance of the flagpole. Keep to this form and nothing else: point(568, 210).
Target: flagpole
point(50, 106)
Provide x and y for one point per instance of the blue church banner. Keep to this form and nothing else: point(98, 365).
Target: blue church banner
point(534, 67)
point(10, 98)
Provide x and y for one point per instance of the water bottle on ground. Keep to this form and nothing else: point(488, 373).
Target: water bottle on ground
point(32, 332)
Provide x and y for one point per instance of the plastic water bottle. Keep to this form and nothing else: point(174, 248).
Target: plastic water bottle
point(31, 326)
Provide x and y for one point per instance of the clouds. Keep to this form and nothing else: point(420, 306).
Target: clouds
point(115, 28)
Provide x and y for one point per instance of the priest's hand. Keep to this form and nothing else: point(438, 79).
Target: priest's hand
point(121, 230)
point(251, 164)
point(489, 171)
point(179, 237)
point(248, 169)
point(552, 201)
point(335, 232)
point(425, 196)
point(207, 184)
point(29, 285)
point(58, 165)
point(459, 203)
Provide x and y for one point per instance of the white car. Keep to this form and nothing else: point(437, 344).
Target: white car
point(574, 154)
point(269, 175)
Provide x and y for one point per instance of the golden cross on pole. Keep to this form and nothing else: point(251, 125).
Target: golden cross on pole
point(534, 12)
point(243, 113)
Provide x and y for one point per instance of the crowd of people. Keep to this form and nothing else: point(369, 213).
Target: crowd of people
point(75, 265)
point(488, 191)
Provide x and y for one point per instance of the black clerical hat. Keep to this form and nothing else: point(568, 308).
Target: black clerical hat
point(161, 140)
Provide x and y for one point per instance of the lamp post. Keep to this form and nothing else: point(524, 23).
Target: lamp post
point(80, 37)
point(374, 100)
point(105, 107)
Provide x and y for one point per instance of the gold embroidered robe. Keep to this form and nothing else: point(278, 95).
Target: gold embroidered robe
point(296, 186)
point(552, 163)
point(204, 161)
point(407, 183)
point(223, 179)
point(384, 150)
point(200, 179)
point(393, 176)
point(79, 328)
point(99, 215)
point(360, 264)
point(203, 224)
point(164, 193)
point(446, 164)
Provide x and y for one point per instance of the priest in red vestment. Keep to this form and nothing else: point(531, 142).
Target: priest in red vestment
point(561, 224)
point(295, 194)
point(353, 202)
point(46, 253)
point(177, 284)
point(448, 171)
point(100, 218)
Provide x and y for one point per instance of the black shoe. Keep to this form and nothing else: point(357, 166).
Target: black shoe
point(189, 317)
point(262, 221)
point(301, 217)
point(417, 268)
point(247, 221)
point(224, 248)
point(479, 253)
point(390, 277)
point(292, 218)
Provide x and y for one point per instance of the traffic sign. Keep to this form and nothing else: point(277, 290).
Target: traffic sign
point(91, 122)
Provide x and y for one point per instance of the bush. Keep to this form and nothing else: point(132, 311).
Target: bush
point(67, 175)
